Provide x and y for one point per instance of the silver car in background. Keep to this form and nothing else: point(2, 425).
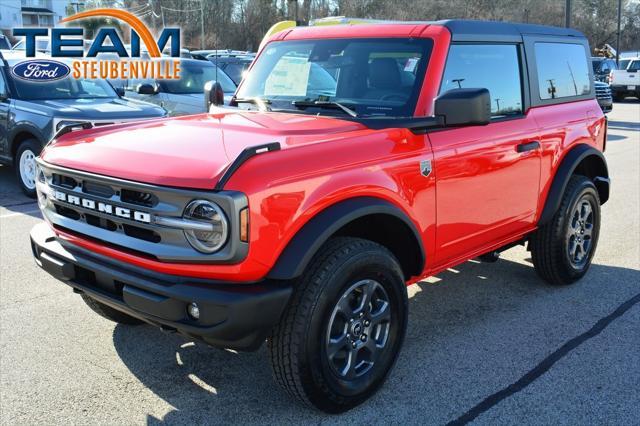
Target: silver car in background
point(183, 96)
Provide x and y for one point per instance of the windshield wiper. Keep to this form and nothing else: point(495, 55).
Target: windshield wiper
point(325, 104)
point(262, 104)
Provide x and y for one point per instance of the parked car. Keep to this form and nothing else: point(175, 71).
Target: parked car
point(31, 113)
point(233, 65)
point(184, 96)
point(302, 221)
point(625, 81)
point(203, 53)
point(43, 44)
point(603, 95)
point(4, 42)
point(602, 67)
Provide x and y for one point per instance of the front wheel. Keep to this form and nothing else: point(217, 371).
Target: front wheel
point(25, 165)
point(342, 331)
point(562, 249)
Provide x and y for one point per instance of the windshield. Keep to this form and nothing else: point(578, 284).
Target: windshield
point(67, 88)
point(193, 78)
point(374, 77)
point(596, 64)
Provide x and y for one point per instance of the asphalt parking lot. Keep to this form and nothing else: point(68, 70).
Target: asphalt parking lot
point(487, 343)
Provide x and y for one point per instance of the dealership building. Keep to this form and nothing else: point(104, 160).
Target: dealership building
point(34, 13)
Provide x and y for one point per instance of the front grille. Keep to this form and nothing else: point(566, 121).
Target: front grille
point(132, 216)
point(138, 198)
point(64, 181)
point(603, 92)
point(67, 212)
point(141, 233)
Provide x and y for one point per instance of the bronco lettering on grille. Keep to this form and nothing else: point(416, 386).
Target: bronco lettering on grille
point(103, 207)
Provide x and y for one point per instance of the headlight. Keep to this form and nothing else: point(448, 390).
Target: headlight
point(210, 240)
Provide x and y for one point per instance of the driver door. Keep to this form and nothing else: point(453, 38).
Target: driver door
point(487, 177)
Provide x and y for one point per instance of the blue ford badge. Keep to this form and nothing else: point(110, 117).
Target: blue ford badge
point(40, 70)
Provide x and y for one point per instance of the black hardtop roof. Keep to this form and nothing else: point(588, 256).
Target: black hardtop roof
point(470, 30)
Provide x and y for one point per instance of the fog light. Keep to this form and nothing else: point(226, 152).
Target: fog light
point(193, 310)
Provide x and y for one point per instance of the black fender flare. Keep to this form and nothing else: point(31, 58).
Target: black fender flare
point(298, 253)
point(23, 128)
point(567, 167)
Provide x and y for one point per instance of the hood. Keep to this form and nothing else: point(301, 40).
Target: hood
point(99, 109)
point(189, 151)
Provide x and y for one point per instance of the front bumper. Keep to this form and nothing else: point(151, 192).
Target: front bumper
point(235, 316)
point(623, 89)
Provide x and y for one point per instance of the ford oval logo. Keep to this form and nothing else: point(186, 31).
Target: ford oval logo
point(40, 70)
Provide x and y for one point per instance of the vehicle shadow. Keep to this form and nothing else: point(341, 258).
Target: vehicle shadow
point(615, 138)
point(12, 198)
point(456, 336)
point(623, 125)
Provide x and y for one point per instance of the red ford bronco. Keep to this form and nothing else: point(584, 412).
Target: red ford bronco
point(360, 159)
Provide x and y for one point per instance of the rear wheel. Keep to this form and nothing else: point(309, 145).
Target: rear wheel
point(562, 249)
point(25, 166)
point(342, 331)
point(109, 313)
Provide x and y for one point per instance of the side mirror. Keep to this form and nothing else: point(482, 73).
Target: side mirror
point(146, 89)
point(464, 107)
point(213, 94)
point(119, 91)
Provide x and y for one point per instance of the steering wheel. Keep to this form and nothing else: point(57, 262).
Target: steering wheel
point(396, 96)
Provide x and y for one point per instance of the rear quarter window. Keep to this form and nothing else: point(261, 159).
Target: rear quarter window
point(563, 70)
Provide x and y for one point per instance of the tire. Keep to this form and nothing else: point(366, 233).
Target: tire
point(110, 313)
point(562, 249)
point(25, 166)
point(335, 281)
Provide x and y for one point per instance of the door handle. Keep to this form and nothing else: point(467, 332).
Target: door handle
point(528, 146)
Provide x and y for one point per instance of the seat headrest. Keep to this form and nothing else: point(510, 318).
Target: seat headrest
point(384, 74)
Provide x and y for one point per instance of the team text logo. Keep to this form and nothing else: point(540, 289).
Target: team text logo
point(107, 56)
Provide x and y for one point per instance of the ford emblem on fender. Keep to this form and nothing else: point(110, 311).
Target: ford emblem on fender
point(40, 70)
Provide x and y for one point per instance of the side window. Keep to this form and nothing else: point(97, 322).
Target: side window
point(634, 66)
point(563, 71)
point(492, 66)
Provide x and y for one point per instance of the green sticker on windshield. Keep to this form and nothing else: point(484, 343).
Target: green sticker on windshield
point(290, 77)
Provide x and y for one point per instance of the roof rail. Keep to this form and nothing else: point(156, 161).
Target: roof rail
point(344, 20)
point(329, 20)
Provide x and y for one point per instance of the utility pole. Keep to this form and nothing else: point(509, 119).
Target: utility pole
point(458, 81)
point(567, 14)
point(618, 33)
point(202, 24)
